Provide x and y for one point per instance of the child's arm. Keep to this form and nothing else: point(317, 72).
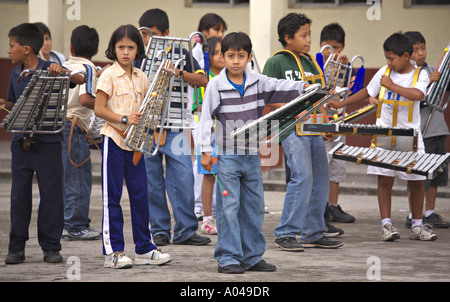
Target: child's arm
point(87, 100)
point(103, 112)
point(57, 69)
point(409, 93)
point(356, 98)
point(195, 79)
point(206, 161)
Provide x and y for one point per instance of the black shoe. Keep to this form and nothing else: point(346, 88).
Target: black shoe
point(408, 222)
point(436, 221)
point(231, 269)
point(160, 240)
point(196, 240)
point(336, 214)
point(332, 231)
point(52, 257)
point(263, 266)
point(289, 244)
point(324, 243)
point(15, 257)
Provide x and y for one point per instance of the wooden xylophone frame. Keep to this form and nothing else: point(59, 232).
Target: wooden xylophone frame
point(428, 165)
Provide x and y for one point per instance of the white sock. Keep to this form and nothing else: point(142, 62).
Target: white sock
point(206, 218)
point(415, 222)
point(386, 221)
point(428, 212)
point(410, 216)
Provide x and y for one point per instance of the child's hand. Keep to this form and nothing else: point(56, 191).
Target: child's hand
point(434, 76)
point(372, 101)
point(328, 137)
point(134, 118)
point(206, 161)
point(386, 81)
point(55, 69)
point(334, 104)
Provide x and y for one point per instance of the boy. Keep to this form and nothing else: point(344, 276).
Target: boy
point(434, 134)
point(306, 158)
point(181, 193)
point(236, 96)
point(397, 77)
point(43, 157)
point(76, 155)
point(334, 35)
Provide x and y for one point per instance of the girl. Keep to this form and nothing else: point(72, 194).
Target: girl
point(120, 91)
point(216, 63)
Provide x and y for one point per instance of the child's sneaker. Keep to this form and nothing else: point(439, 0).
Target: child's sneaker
point(422, 232)
point(154, 257)
point(209, 227)
point(389, 233)
point(117, 260)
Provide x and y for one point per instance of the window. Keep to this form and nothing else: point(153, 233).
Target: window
point(212, 2)
point(294, 3)
point(430, 2)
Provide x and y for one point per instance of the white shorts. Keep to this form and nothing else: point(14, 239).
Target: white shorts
point(336, 166)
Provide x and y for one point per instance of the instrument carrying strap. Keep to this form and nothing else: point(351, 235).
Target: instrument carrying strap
point(395, 103)
point(136, 154)
point(75, 121)
point(312, 78)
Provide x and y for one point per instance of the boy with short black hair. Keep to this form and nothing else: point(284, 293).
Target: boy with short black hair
point(434, 131)
point(403, 83)
point(307, 174)
point(43, 157)
point(76, 154)
point(236, 95)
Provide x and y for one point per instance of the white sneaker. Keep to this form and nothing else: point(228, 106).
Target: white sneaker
point(422, 232)
point(154, 257)
point(389, 233)
point(117, 260)
point(209, 227)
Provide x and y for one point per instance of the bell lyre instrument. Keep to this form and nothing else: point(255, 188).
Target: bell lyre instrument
point(42, 107)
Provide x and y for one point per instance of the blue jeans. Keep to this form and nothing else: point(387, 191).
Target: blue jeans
point(178, 181)
point(240, 214)
point(307, 189)
point(77, 180)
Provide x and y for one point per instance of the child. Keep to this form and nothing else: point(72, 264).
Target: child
point(47, 53)
point(306, 157)
point(43, 157)
point(434, 135)
point(236, 95)
point(120, 91)
point(76, 155)
point(398, 87)
point(211, 25)
point(178, 162)
point(334, 35)
point(208, 180)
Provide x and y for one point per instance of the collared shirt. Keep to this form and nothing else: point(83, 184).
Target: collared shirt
point(74, 107)
point(125, 96)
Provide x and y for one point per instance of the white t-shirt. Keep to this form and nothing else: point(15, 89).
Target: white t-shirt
point(404, 80)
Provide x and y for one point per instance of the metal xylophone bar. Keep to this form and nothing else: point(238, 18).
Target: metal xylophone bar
point(428, 165)
point(154, 109)
point(41, 108)
point(359, 129)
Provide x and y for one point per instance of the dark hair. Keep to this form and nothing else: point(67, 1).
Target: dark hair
point(128, 31)
point(290, 24)
point(398, 43)
point(333, 32)
point(44, 28)
point(212, 43)
point(28, 34)
point(84, 41)
point(237, 41)
point(155, 17)
point(415, 37)
point(211, 20)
